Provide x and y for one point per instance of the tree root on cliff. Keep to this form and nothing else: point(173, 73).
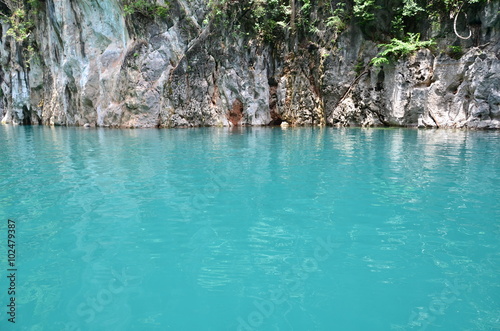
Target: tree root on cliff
point(346, 93)
point(455, 25)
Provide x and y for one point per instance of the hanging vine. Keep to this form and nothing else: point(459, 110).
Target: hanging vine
point(455, 24)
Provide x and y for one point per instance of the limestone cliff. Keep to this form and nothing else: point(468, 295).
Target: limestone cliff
point(93, 63)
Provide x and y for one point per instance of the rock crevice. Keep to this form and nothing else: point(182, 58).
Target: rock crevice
point(95, 65)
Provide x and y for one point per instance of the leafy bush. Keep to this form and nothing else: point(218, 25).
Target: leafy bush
point(365, 10)
point(20, 27)
point(20, 16)
point(399, 48)
point(455, 52)
point(339, 18)
point(145, 8)
point(266, 20)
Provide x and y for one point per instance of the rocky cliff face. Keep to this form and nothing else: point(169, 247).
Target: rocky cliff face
point(94, 64)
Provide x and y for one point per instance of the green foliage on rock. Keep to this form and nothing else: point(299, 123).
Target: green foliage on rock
point(20, 27)
point(399, 48)
point(365, 10)
point(20, 18)
point(455, 52)
point(400, 20)
point(266, 20)
point(340, 17)
point(146, 8)
point(403, 12)
point(272, 20)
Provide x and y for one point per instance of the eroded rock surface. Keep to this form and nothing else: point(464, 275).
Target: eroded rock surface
point(94, 64)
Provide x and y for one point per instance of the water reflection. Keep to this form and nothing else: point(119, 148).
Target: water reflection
point(225, 215)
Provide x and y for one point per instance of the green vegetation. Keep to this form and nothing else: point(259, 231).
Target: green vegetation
point(403, 26)
point(20, 17)
point(365, 10)
point(404, 13)
point(359, 67)
point(270, 17)
point(146, 8)
point(272, 20)
point(303, 16)
point(398, 48)
point(20, 27)
point(455, 52)
point(454, 5)
point(340, 17)
point(267, 20)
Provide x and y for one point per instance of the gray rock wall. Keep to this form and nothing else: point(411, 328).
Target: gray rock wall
point(93, 64)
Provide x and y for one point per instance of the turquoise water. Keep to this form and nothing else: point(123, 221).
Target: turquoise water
point(251, 229)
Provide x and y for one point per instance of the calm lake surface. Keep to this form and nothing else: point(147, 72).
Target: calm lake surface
point(251, 229)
